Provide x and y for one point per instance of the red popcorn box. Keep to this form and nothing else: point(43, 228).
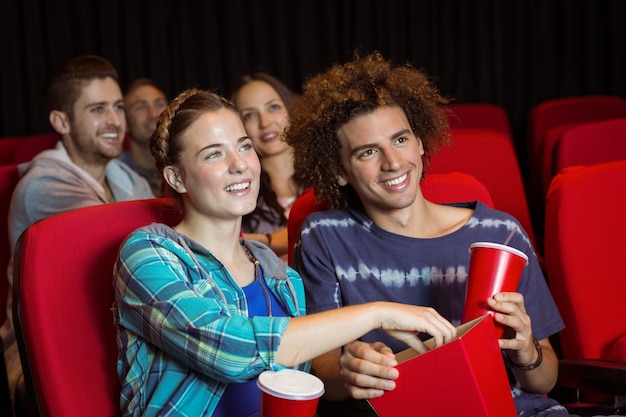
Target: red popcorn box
point(464, 377)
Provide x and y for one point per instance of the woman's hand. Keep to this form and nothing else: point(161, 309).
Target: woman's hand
point(406, 322)
point(277, 241)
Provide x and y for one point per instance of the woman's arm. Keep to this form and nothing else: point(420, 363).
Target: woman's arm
point(313, 335)
point(195, 320)
point(277, 240)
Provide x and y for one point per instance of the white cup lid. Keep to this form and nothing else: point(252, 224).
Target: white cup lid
point(291, 384)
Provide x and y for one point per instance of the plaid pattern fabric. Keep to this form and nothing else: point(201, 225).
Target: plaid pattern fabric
point(183, 326)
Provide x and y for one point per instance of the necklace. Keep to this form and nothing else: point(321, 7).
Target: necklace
point(257, 277)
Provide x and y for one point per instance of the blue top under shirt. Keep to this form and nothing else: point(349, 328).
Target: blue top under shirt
point(242, 400)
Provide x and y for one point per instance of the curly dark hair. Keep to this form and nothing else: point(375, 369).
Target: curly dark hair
point(344, 92)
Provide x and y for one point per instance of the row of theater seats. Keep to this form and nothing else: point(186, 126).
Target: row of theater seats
point(63, 295)
point(584, 144)
point(548, 121)
point(581, 185)
point(556, 138)
point(584, 242)
point(576, 150)
point(562, 132)
point(63, 276)
point(571, 131)
point(13, 151)
point(481, 165)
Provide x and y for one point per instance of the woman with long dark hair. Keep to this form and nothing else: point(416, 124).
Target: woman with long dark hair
point(263, 102)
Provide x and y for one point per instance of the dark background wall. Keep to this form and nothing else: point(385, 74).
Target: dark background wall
point(514, 53)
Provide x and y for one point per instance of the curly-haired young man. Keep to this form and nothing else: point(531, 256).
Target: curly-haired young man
point(362, 134)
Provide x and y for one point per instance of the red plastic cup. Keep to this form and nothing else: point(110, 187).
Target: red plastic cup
point(493, 268)
point(290, 393)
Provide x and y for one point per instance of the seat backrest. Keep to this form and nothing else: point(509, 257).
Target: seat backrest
point(567, 110)
point(479, 116)
point(591, 143)
point(62, 304)
point(546, 167)
point(584, 249)
point(7, 147)
point(489, 156)
point(585, 143)
point(9, 177)
point(304, 205)
point(451, 187)
point(28, 147)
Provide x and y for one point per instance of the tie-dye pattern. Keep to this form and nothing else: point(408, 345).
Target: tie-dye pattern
point(345, 259)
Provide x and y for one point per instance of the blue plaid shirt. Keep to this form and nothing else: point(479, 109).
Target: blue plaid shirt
point(183, 326)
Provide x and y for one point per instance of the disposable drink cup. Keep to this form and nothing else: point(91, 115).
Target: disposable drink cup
point(290, 393)
point(493, 268)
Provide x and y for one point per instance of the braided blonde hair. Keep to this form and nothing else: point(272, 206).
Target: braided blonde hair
point(166, 141)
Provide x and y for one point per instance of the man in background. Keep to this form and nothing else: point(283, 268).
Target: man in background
point(86, 108)
point(143, 103)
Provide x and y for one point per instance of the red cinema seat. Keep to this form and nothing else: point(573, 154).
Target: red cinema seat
point(558, 114)
point(28, 147)
point(489, 156)
point(479, 116)
point(304, 205)
point(569, 110)
point(584, 246)
point(590, 144)
point(7, 146)
point(8, 180)
point(545, 169)
point(450, 187)
point(63, 294)
point(582, 144)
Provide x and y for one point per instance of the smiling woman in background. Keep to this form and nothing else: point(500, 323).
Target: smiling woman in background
point(263, 102)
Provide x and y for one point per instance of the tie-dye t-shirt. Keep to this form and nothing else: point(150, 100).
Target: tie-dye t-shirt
point(345, 259)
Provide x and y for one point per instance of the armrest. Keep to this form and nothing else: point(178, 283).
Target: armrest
point(594, 375)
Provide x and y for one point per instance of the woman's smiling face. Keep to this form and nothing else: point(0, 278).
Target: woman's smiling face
point(218, 168)
point(264, 116)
